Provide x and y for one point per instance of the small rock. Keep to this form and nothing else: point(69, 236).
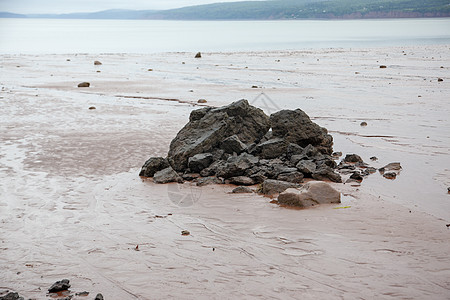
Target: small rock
point(368, 171)
point(82, 294)
point(241, 180)
point(190, 176)
point(254, 86)
point(307, 167)
point(59, 286)
point(353, 158)
point(84, 84)
point(200, 161)
point(97, 63)
point(185, 232)
point(374, 158)
point(311, 194)
point(270, 186)
point(390, 175)
point(326, 173)
point(356, 176)
point(99, 297)
point(198, 55)
point(440, 79)
point(202, 101)
point(167, 175)
point(363, 124)
point(448, 190)
point(336, 154)
point(150, 70)
point(232, 145)
point(68, 59)
point(208, 180)
point(242, 190)
point(294, 177)
point(92, 107)
point(11, 296)
point(383, 67)
point(395, 166)
point(153, 165)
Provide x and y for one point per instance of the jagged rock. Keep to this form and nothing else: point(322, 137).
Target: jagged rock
point(307, 167)
point(294, 177)
point(203, 134)
point(208, 180)
point(200, 161)
point(353, 158)
point(336, 154)
point(296, 127)
point(242, 190)
point(272, 148)
point(295, 159)
point(11, 296)
point(237, 165)
point(153, 165)
point(232, 145)
point(212, 169)
point(270, 186)
point(190, 176)
point(293, 149)
point(325, 160)
point(326, 173)
point(198, 114)
point(241, 180)
point(59, 286)
point(84, 84)
point(258, 177)
point(167, 175)
point(198, 55)
point(311, 194)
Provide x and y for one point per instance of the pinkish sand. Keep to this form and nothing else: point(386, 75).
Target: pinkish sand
point(72, 204)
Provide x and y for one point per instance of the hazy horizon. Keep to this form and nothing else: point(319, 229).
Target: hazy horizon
point(71, 6)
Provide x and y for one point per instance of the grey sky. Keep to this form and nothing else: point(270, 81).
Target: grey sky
point(64, 6)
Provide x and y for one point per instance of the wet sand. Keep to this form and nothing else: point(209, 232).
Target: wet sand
point(72, 204)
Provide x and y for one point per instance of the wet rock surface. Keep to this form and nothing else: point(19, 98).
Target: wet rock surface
point(59, 286)
point(311, 194)
point(239, 144)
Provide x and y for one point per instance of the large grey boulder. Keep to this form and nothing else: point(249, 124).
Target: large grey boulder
point(296, 127)
point(311, 194)
point(271, 186)
point(153, 165)
point(207, 128)
point(167, 175)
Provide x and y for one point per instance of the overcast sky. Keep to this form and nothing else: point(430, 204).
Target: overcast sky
point(64, 6)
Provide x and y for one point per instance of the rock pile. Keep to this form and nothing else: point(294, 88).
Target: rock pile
point(240, 144)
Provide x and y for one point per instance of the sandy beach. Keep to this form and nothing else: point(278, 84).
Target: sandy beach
point(73, 206)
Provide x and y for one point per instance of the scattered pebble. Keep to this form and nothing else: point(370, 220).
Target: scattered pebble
point(185, 232)
point(440, 79)
point(84, 84)
point(383, 67)
point(374, 158)
point(390, 175)
point(202, 101)
point(92, 107)
point(242, 190)
point(198, 55)
point(150, 70)
point(59, 286)
point(363, 124)
point(337, 154)
point(254, 86)
point(99, 297)
point(97, 63)
point(82, 294)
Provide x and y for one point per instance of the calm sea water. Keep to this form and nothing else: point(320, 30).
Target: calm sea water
point(148, 36)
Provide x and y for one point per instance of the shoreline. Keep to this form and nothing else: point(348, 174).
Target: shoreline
point(73, 206)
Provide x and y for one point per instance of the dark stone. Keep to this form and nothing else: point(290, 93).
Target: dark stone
point(293, 149)
point(307, 167)
point(440, 79)
point(296, 127)
point(270, 186)
point(167, 175)
point(242, 190)
point(153, 165)
point(295, 159)
point(242, 180)
point(190, 176)
point(390, 175)
point(198, 114)
point(326, 173)
point(336, 154)
point(59, 286)
point(237, 165)
point(368, 171)
point(356, 176)
point(99, 297)
point(374, 158)
point(395, 166)
point(200, 161)
point(212, 169)
point(84, 84)
point(383, 67)
point(202, 101)
point(207, 133)
point(97, 63)
point(11, 296)
point(363, 124)
point(326, 160)
point(352, 158)
point(198, 55)
point(208, 180)
point(272, 148)
point(258, 177)
point(232, 145)
point(294, 177)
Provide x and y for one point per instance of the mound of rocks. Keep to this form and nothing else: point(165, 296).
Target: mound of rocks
point(240, 144)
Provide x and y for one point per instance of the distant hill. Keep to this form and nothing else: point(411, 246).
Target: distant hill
point(275, 10)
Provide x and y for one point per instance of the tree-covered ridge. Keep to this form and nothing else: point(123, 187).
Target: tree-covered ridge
point(309, 9)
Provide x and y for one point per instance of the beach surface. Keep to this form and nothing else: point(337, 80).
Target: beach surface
point(73, 206)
